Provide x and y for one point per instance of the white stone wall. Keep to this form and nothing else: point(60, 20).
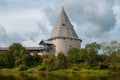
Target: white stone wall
point(63, 44)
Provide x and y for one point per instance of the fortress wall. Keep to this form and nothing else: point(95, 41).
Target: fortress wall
point(63, 44)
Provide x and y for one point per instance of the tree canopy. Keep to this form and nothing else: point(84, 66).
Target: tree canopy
point(104, 55)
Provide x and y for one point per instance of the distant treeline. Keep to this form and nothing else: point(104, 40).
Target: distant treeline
point(93, 56)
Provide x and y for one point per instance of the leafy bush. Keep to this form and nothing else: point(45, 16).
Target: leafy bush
point(42, 68)
point(75, 68)
point(73, 55)
point(23, 67)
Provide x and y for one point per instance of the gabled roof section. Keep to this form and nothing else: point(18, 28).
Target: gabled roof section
point(42, 42)
point(63, 27)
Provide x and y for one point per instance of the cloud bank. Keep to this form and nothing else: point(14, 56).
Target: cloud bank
point(29, 21)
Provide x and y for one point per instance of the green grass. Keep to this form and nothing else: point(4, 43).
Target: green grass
point(71, 70)
point(67, 70)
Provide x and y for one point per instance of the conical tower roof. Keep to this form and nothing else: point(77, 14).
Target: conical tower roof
point(63, 27)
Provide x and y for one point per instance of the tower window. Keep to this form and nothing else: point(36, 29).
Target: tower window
point(63, 24)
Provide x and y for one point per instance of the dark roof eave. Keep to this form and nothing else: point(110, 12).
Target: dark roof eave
point(45, 42)
point(65, 37)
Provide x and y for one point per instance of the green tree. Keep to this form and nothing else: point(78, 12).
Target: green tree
point(114, 61)
point(28, 60)
point(32, 60)
point(62, 61)
point(10, 60)
point(103, 61)
point(83, 54)
point(2, 59)
point(112, 51)
point(15, 49)
point(49, 63)
point(16, 55)
point(109, 48)
point(2, 62)
point(73, 55)
point(92, 53)
point(37, 59)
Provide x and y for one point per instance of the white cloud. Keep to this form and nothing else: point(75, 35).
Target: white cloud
point(32, 25)
point(7, 39)
point(94, 20)
point(32, 19)
point(27, 19)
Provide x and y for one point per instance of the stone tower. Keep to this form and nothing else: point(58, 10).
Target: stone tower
point(63, 35)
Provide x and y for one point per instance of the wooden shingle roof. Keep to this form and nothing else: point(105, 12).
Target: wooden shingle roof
point(63, 27)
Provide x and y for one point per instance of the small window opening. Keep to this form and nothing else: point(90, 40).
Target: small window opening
point(63, 24)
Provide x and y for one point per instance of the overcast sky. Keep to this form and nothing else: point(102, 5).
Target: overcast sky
point(29, 21)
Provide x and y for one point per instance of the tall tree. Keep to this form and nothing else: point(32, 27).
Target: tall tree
point(49, 63)
point(73, 55)
point(92, 52)
point(109, 48)
point(62, 61)
point(3, 59)
point(83, 54)
point(16, 54)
